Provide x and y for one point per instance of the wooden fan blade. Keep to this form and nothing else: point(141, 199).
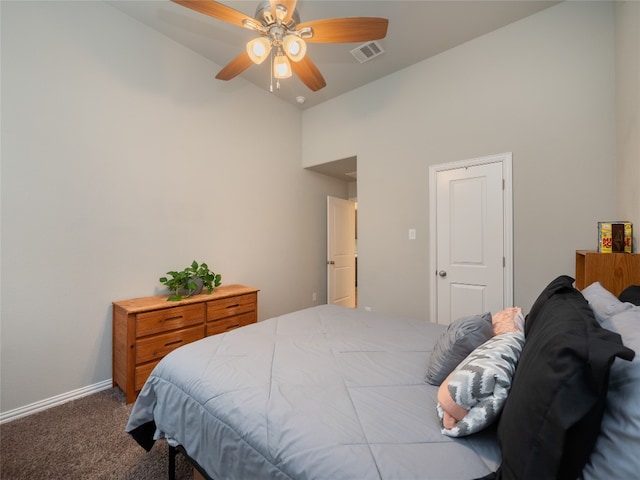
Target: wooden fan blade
point(235, 67)
point(346, 30)
point(289, 5)
point(216, 10)
point(307, 71)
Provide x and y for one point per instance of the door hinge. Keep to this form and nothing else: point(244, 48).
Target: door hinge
point(503, 183)
point(504, 262)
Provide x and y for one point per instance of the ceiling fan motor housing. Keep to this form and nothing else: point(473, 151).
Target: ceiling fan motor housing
point(264, 16)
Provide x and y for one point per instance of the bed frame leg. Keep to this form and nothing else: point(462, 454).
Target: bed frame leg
point(172, 462)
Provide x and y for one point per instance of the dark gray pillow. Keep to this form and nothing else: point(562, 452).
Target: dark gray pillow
point(461, 337)
point(631, 294)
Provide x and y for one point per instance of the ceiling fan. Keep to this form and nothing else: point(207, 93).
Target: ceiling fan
point(285, 39)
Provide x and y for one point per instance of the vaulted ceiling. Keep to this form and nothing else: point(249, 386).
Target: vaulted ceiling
point(418, 29)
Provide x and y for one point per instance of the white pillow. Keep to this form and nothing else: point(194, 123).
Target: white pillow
point(603, 303)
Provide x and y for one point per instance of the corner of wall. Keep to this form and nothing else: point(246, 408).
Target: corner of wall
point(627, 54)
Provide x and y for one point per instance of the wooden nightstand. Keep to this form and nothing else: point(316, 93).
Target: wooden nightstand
point(146, 329)
point(614, 271)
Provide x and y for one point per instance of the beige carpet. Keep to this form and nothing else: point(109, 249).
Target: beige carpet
point(82, 439)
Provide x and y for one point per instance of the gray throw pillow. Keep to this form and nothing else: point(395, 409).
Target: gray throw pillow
point(461, 337)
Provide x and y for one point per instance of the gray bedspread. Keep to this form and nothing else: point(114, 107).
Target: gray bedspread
point(322, 393)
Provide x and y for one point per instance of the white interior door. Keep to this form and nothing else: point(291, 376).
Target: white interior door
point(470, 232)
point(341, 252)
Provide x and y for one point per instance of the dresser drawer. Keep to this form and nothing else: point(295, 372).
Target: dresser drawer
point(228, 307)
point(166, 319)
point(143, 372)
point(230, 323)
point(157, 346)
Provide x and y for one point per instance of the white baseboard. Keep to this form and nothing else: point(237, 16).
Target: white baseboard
point(54, 401)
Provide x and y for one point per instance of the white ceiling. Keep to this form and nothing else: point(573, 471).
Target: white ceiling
point(418, 29)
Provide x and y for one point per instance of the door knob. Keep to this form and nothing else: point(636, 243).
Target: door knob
point(442, 273)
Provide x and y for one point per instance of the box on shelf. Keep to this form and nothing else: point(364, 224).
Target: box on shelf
point(615, 237)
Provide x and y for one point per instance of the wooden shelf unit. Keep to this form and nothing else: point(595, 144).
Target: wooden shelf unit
point(614, 271)
point(146, 329)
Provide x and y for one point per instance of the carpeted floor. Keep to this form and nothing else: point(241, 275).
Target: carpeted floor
point(82, 439)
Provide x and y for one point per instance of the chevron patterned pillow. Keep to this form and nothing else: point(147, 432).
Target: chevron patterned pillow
point(473, 395)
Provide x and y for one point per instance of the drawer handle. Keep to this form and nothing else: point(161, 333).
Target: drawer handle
point(172, 343)
point(231, 327)
point(233, 306)
point(173, 318)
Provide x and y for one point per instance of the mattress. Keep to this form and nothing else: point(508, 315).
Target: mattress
point(325, 392)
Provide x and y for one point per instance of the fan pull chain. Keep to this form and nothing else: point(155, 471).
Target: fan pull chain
point(271, 73)
point(271, 76)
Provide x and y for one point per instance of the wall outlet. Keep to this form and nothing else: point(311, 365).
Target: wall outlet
point(367, 309)
point(314, 297)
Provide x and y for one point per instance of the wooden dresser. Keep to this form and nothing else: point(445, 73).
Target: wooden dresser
point(146, 329)
point(614, 271)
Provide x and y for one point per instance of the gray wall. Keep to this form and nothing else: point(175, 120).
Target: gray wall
point(123, 158)
point(542, 88)
point(627, 23)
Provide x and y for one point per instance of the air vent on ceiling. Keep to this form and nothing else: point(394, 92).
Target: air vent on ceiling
point(367, 51)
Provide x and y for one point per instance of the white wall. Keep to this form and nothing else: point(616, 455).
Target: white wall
point(542, 88)
point(123, 158)
point(627, 22)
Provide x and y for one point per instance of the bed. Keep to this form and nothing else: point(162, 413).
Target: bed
point(336, 393)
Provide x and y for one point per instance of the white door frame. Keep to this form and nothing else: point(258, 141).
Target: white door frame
point(506, 160)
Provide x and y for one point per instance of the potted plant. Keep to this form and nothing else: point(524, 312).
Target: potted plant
point(190, 281)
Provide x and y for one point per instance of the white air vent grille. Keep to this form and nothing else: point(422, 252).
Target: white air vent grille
point(367, 51)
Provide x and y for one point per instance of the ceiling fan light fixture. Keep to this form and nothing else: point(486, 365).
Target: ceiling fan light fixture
point(294, 47)
point(305, 32)
point(258, 49)
point(281, 66)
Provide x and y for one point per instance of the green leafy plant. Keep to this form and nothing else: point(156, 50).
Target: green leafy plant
point(190, 281)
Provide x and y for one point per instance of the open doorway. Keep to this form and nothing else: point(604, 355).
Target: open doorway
point(345, 170)
point(341, 252)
